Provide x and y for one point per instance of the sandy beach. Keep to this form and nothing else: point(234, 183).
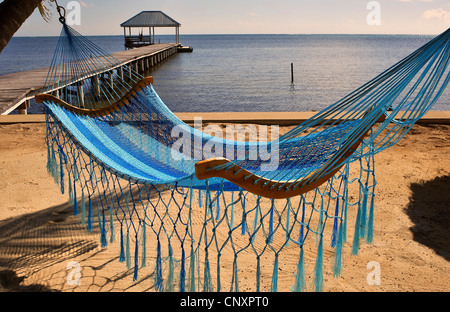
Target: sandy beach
point(41, 241)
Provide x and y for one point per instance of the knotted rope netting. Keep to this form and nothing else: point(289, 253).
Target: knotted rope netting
point(114, 147)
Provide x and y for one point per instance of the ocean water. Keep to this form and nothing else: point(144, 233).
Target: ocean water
point(250, 72)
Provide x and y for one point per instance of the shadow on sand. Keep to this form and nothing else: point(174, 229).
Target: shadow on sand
point(429, 209)
point(32, 243)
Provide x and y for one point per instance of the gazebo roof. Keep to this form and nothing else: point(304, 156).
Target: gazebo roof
point(150, 19)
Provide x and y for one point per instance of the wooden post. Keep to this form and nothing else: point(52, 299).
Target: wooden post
point(23, 107)
point(80, 94)
point(96, 83)
point(292, 73)
point(121, 72)
point(111, 80)
point(124, 37)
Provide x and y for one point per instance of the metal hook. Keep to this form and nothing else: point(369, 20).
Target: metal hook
point(61, 11)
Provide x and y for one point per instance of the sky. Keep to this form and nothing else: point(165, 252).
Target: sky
point(103, 17)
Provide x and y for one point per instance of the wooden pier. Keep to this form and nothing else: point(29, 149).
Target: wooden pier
point(17, 89)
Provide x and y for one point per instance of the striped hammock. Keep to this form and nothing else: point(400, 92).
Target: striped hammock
point(130, 166)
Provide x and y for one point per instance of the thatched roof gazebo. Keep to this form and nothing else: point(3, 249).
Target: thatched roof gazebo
point(147, 20)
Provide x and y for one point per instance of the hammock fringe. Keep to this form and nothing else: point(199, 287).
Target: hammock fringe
point(126, 159)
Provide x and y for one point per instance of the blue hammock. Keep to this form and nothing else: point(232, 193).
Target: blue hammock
point(128, 161)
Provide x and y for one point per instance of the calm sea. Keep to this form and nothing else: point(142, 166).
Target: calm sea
point(249, 72)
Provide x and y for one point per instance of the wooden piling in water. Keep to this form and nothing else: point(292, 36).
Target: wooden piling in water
point(292, 73)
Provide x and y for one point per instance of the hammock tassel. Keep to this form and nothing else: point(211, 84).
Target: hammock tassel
point(144, 245)
point(302, 227)
point(355, 247)
point(111, 225)
point(218, 206)
point(255, 221)
point(99, 220)
point(61, 170)
point(158, 276)
point(335, 224)
point(235, 281)
point(53, 166)
point(364, 213)
point(192, 271)
point(83, 208)
point(299, 284)
point(75, 170)
point(337, 266)
point(136, 259)
point(182, 271)
point(344, 230)
point(169, 282)
point(318, 270)
point(243, 214)
point(232, 211)
point(70, 191)
point(218, 272)
point(369, 237)
point(49, 160)
point(103, 241)
point(288, 221)
point(274, 285)
point(320, 224)
point(75, 201)
point(258, 274)
point(127, 250)
point(270, 237)
point(122, 248)
point(207, 286)
point(89, 225)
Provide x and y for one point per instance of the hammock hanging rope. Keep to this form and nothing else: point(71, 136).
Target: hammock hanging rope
point(115, 146)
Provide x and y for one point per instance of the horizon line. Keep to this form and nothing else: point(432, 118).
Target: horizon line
point(252, 34)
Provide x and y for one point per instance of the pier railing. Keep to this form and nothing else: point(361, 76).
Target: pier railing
point(138, 41)
point(18, 89)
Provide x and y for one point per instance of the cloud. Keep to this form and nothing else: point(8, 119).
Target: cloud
point(85, 5)
point(440, 14)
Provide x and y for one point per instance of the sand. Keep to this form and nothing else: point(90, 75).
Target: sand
point(42, 244)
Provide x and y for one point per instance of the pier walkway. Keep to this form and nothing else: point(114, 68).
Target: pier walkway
point(17, 89)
